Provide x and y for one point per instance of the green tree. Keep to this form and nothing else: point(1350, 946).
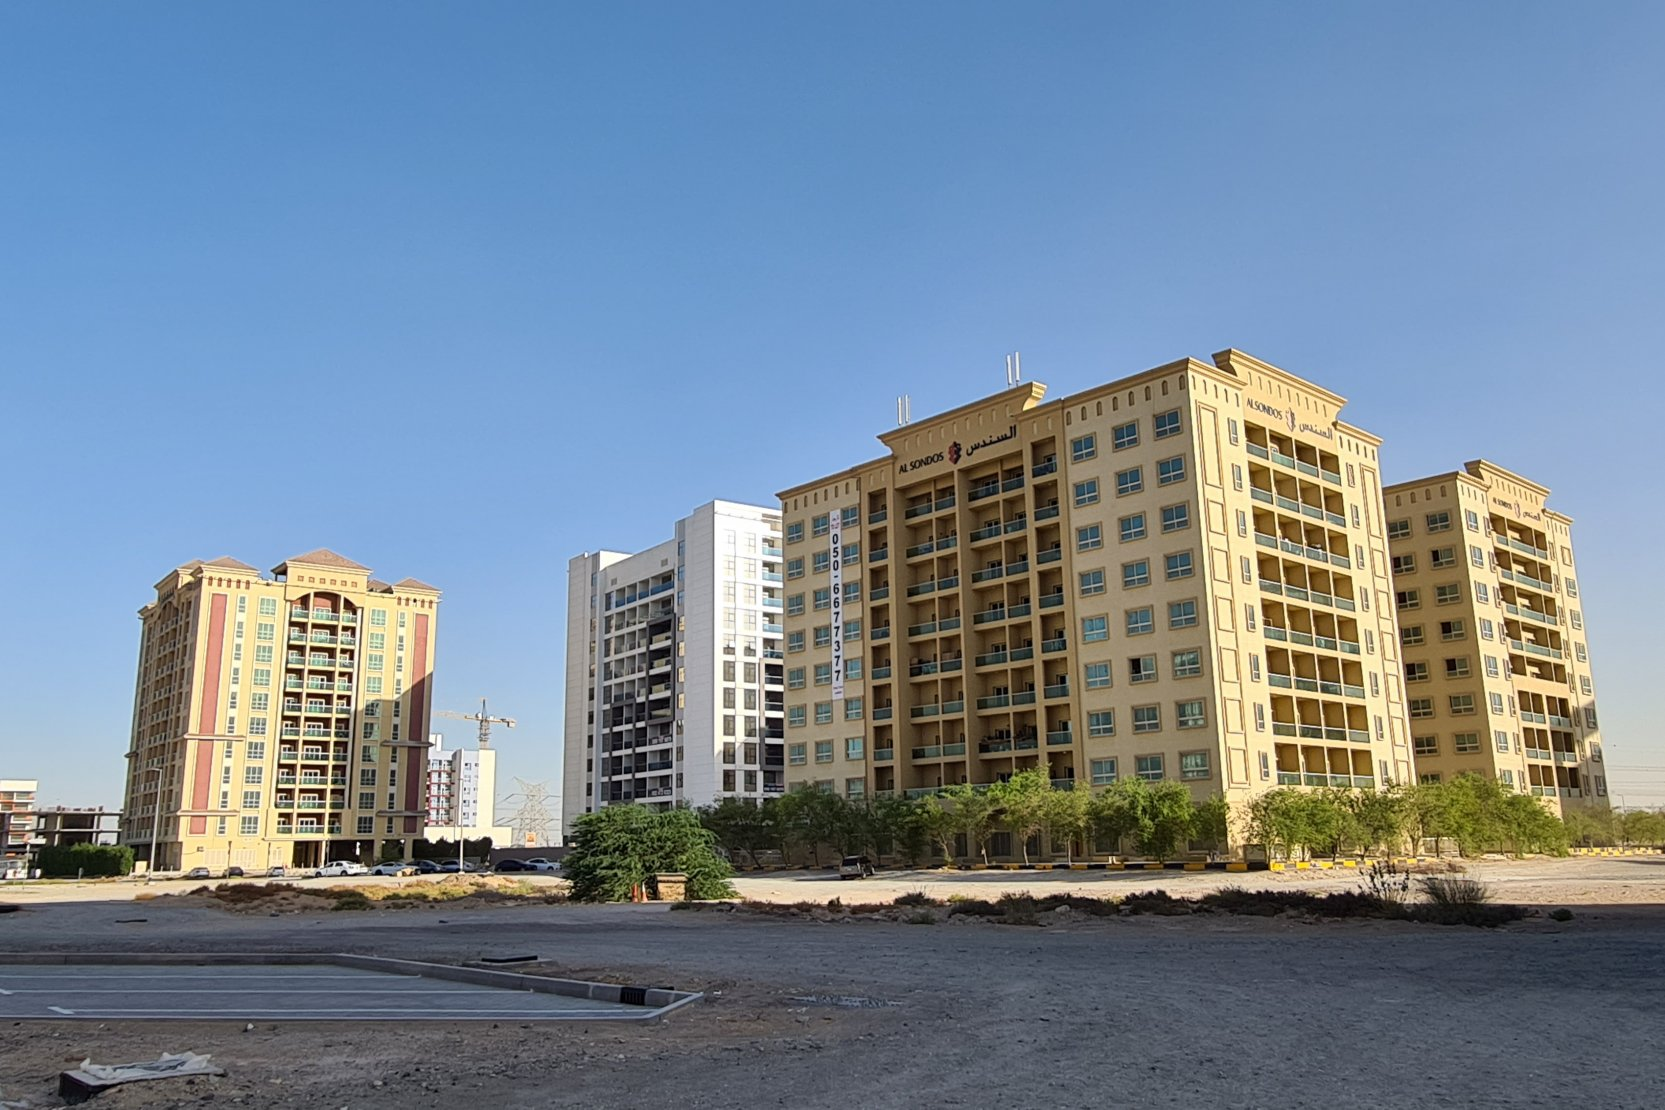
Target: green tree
point(1067, 814)
point(1211, 822)
point(739, 824)
point(974, 814)
point(1379, 817)
point(619, 848)
point(1157, 815)
point(89, 860)
point(940, 824)
point(1023, 800)
point(1111, 819)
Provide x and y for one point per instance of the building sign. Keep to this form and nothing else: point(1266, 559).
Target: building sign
point(954, 452)
point(1516, 508)
point(1286, 417)
point(835, 537)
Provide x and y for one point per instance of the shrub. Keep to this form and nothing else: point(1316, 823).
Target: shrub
point(1562, 914)
point(916, 898)
point(1447, 890)
point(1157, 902)
point(89, 860)
point(922, 917)
point(975, 907)
point(1385, 882)
point(619, 848)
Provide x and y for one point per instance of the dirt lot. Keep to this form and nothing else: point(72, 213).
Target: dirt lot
point(1163, 1012)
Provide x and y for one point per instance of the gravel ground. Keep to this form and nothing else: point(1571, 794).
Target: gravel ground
point(1159, 1012)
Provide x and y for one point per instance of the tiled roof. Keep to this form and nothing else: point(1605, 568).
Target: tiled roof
point(229, 563)
point(414, 584)
point(324, 557)
point(377, 586)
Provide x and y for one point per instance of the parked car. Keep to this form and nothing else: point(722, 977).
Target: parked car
point(394, 867)
point(339, 868)
point(855, 867)
point(541, 864)
point(453, 867)
point(278, 872)
point(234, 872)
point(426, 867)
point(506, 865)
point(199, 873)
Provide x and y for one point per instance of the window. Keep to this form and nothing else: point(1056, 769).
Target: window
point(1500, 739)
point(1403, 564)
point(263, 654)
point(1425, 745)
point(1452, 630)
point(1086, 493)
point(820, 525)
point(855, 788)
point(852, 629)
point(1125, 435)
point(1260, 717)
point(795, 567)
point(852, 552)
point(1584, 685)
point(253, 775)
point(1193, 765)
point(1169, 471)
point(823, 674)
point(797, 754)
point(795, 716)
point(822, 635)
point(1457, 668)
point(1483, 594)
point(1491, 667)
point(1420, 708)
point(1410, 635)
point(1461, 704)
point(1147, 767)
point(1471, 519)
point(248, 826)
point(1477, 557)
point(852, 667)
point(268, 607)
point(823, 751)
point(1416, 672)
point(1447, 594)
point(823, 712)
point(1102, 770)
point(1098, 676)
point(1177, 565)
point(251, 799)
point(823, 598)
point(1189, 714)
point(1572, 584)
point(820, 561)
point(372, 685)
point(367, 776)
point(1083, 448)
point(1442, 557)
point(1167, 423)
point(1092, 582)
point(1141, 668)
point(1090, 538)
point(265, 631)
point(1497, 703)
point(1236, 476)
point(853, 709)
point(1140, 621)
point(1133, 527)
point(1231, 429)
point(795, 641)
point(795, 605)
point(378, 618)
point(1589, 718)
point(1176, 518)
point(1102, 723)
point(1136, 573)
point(1466, 743)
point(1094, 629)
point(1131, 480)
point(854, 747)
point(1439, 522)
point(1182, 614)
point(1254, 667)
point(1485, 629)
point(1188, 663)
point(1577, 619)
point(1581, 652)
point(849, 517)
point(1147, 718)
point(1408, 599)
point(1398, 529)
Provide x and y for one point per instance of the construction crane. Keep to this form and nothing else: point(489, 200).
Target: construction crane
point(485, 720)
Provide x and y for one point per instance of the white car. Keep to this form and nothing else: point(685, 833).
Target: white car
point(393, 868)
point(341, 868)
point(541, 864)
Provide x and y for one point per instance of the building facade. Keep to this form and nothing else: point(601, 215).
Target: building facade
point(280, 720)
point(1497, 660)
point(18, 804)
point(673, 684)
point(1179, 575)
point(61, 826)
point(462, 786)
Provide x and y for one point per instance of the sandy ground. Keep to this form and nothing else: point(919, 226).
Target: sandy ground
point(1145, 1011)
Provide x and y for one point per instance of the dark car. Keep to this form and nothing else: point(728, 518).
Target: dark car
point(234, 872)
point(426, 867)
point(514, 865)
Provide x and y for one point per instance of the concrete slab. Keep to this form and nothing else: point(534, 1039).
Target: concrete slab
point(329, 988)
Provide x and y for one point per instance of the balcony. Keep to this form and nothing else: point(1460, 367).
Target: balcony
point(1060, 738)
point(979, 493)
point(878, 555)
point(926, 629)
point(1017, 524)
point(884, 755)
point(987, 532)
point(880, 633)
point(990, 659)
point(920, 711)
point(1061, 690)
point(1050, 555)
point(878, 516)
point(1050, 646)
point(920, 589)
point(879, 674)
point(996, 701)
point(1046, 512)
point(883, 712)
point(878, 593)
point(1050, 466)
point(919, 549)
point(1052, 601)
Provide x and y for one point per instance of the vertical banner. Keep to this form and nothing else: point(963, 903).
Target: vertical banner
point(835, 534)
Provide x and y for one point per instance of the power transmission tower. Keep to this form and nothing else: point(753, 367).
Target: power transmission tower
point(531, 821)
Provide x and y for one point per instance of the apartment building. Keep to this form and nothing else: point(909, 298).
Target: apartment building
point(1498, 677)
point(462, 793)
point(1177, 575)
point(674, 673)
point(282, 719)
point(18, 802)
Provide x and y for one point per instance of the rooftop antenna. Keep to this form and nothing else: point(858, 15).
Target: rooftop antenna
point(904, 410)
point(1014, 369)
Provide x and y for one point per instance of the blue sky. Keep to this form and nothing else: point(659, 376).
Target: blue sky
point(258, 261)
